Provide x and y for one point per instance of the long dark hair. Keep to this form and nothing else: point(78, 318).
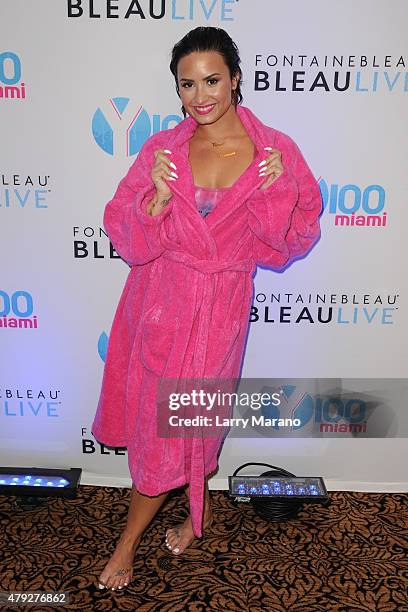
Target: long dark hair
point(209, 39)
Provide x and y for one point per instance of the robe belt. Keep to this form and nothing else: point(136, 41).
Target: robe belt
point(207, 266)
point(205, 289)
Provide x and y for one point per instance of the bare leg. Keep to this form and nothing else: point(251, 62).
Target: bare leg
point(119, 571)
point(181, 536)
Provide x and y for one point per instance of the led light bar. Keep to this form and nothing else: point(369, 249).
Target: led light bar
point(39, 482)
point(304, 488)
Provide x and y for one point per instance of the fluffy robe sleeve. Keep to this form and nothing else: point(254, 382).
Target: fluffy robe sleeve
point(135, 234)
point(284, 217)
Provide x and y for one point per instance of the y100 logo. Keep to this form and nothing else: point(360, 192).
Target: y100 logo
point(155, 9)
point(103, 345)
point(10, 75)
point(326, 415)
point(353, 206)
point(16, 310)
point(133, 126)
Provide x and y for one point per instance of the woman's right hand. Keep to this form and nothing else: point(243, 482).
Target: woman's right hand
point(163, 168)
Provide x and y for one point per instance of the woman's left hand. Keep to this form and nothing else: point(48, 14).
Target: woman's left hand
point(271, 166)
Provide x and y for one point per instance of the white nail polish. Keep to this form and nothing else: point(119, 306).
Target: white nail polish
point(173, 165)
point(262, 174)
point(167, 151)
point(268, 148)
point(262, 163)
point(171, 178)
point(174, 174)
point(176, 550)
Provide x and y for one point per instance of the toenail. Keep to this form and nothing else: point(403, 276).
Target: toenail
point(120, 588)
point(102, 586)
point(176, 550)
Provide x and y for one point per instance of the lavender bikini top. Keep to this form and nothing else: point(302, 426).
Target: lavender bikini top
point(207, 198)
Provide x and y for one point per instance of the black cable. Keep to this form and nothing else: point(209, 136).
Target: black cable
point(274, 509)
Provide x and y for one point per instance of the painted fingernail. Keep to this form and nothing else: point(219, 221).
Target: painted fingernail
point(171, 178)
point(174, 174)
point(173, 165)
point(167, 151)
point(262, 174)
point(268, 148)
point(263, 162)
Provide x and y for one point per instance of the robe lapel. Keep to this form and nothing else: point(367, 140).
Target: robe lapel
point(243, 187)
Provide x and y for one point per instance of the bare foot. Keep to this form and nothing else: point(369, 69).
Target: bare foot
point(181, 536)
point(118, 572)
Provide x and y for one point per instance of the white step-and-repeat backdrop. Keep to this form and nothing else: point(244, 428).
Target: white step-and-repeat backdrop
point(82, 85)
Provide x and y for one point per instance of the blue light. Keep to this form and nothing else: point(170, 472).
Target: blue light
point(300, 487)
point(30, 481)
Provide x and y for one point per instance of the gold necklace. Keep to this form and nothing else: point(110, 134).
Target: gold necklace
point(221, 144)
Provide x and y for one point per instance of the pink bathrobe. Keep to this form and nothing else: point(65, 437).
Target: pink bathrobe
point(184, 310)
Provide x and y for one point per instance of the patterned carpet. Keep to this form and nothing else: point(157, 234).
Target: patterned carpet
point(350, 556)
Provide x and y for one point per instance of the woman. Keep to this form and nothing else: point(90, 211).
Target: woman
point(203, 204)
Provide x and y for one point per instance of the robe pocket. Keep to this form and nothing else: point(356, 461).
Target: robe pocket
point(157, 344)
point(221, 349)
